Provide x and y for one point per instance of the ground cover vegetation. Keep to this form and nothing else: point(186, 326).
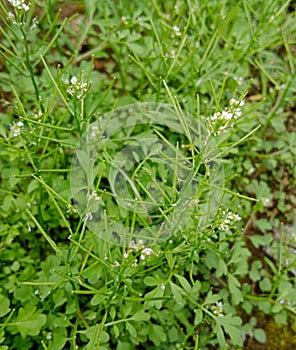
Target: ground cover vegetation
point(224, 277)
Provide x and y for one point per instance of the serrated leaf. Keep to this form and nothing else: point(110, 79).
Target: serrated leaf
point(29, 321)
point(211, 298)
point(156, 334)
point(232, 326)
point(263, 225)
point(258, 240)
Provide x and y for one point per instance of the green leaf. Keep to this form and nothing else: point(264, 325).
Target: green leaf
point(124, 346)
point(176, 291)
point(131, 329)
point(155, 293)
point(247, 306)
point(260, 335)
point(29, 321)
point(255, 270)
point(116, 331)
point(58, 343)
point(150, 281)
point(220, 336)
point(98, 299)
point(198, 316)
point(211, 298)
point(281, 317)
point(277, 307)
point(23, 293)
point(235, 292)
point(265, 285)
point(171, 259)
point(156, 334)
point(221, 268)
point(140, 315)
point(173, 334)
point(93, 334)
point(232, 326)
point(258, 240)
point(263, 225)
point(4, 305)
point(184, 283)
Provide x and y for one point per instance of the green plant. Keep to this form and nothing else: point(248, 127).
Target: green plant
point(66, 76)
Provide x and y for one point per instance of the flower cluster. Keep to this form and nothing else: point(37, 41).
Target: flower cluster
point(16, 128)
point(229, 220)
point(218, 309)
point(71, 209)
point(38, 115)
point(93, 197)
point(19, 5)
point(221, 121)
point(138, 247)
point(77, 88)
point(176, 31)
point(88, 216)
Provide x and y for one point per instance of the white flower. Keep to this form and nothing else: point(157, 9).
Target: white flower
point(19, 4)
point(221, 121)
point(11, 17)
point(16, 128)
point(93, 196)
point(37, 115)
point(34, 23)
point(74, 80)
point(116, 264)
point(133, 245)
point(77, 88)
point(88, 216)
point(70, 209)
point(226, 115)
point(145, 252)
point(224, 227)
point(176, 30)
point(229, 220)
